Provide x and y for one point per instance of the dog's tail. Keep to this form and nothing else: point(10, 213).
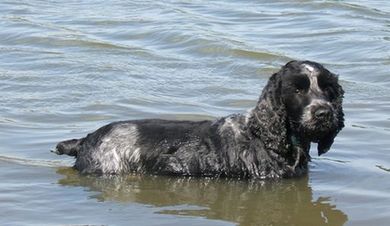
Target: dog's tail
point(69, 147)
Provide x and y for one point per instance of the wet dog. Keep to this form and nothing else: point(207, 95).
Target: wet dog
point(301, 104)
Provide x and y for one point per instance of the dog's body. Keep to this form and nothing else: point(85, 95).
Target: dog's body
point(299, 105)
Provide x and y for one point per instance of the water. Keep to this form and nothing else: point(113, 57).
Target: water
point(69, 67)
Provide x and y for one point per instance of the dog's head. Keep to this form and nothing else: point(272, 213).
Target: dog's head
point(313, 101)
point(303, 100)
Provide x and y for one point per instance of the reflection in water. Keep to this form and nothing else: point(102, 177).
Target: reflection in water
point(287, 202)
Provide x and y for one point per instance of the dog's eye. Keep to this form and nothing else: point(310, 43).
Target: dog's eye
point(299, 91)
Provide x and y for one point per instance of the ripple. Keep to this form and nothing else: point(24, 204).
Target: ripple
point(68, 67)
point(33, 162)
point(383, 168)
point(259, 55)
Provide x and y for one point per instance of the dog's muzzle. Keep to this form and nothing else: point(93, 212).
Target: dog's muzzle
point(323, 112)
point(319, 116)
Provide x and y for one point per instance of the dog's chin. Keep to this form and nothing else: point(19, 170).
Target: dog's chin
point(315, 130)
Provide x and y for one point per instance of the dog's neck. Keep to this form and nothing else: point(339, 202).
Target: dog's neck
point(286, 147)
point(298, 151)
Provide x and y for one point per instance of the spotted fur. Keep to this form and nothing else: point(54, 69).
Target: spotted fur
point(302, 103)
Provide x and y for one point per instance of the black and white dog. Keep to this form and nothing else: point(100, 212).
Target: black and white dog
point(302, 103)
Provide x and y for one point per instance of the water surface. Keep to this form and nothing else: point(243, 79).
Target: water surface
point(69, 67)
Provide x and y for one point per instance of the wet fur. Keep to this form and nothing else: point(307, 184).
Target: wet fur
point(270, 141)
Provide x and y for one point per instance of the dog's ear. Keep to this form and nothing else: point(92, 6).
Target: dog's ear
point(326, 142)
point(268, 119)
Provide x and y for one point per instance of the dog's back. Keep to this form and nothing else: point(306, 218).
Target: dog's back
point(152, 146)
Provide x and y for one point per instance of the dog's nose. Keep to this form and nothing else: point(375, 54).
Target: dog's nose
point(323, 112)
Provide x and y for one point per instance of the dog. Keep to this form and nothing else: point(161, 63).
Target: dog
point(300, 104)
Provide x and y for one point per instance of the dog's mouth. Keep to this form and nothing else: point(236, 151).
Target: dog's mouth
point(316, 131)
point(317, 121)
point(316, 128)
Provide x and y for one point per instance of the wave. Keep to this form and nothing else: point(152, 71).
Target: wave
point(33, 162)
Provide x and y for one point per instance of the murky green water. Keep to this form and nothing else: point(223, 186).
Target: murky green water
point(69, 67)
